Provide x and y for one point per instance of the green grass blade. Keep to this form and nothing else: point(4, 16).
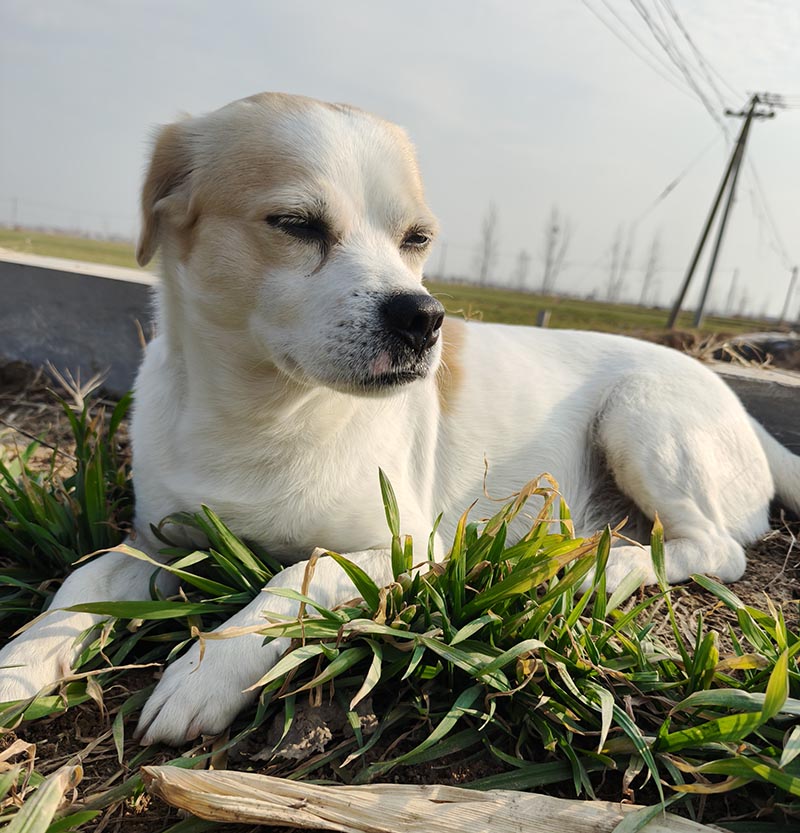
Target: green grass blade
point(519, 581)
point(73, 821)
point(777, 687)
point(732, 727)
point(657, 554)
point(464, 701)
point(723, 593)
point(529, 777)
point(208, 586)
point(743, 767)
point(120, 412)
point(346, 659)
point(235, 548)
point(148, 609)
point(8, 779)
point(473, 627)
point(639, 819)
point(288, 593)
point(291, 661)
point(37, 812)
point(455, 575)
point(373, 675)
point(734, 699)
point(389, 504)
point(791, 747)
point(606, 705)
point(640, 744)
point(366, 587)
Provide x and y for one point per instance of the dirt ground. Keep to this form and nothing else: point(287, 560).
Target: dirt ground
point(28, 411)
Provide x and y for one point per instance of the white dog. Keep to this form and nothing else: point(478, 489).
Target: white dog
point(298, 352)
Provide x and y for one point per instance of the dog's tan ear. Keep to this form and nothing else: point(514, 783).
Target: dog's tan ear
point(165, 192)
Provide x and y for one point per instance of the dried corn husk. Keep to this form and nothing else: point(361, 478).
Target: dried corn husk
point(387, 808)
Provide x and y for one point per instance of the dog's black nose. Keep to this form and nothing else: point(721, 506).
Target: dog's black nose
point(416, 319)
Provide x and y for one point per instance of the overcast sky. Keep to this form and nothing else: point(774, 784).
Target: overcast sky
point(523, 104)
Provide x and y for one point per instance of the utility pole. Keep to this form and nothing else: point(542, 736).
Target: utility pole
point(728, 182)
point(699, 312)
point(790, 292)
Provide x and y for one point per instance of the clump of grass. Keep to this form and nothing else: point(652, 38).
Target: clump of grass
point(498, 652)
point(495, 654)
point(48, 521)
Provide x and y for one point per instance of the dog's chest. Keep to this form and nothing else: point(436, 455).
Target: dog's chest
point(289, 497)
point(290, 517)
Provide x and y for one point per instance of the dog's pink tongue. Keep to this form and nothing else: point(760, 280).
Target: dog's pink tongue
point(382, 364)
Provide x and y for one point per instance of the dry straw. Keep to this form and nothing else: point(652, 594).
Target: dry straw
point(389, 808)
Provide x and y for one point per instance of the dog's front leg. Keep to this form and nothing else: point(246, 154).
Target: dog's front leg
point(46, 652)
point(198, 697)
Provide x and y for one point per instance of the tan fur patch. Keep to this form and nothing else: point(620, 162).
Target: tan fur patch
point(170, 166)
point(450, 375)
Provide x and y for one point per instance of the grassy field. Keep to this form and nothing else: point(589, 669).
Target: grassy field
point(73, 248)
point(487, 303)
point(510, 307)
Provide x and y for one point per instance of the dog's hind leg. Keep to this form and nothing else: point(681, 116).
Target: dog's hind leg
point(697, 464)
point(715, 554)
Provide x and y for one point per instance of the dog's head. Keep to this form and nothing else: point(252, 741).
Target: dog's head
point(300, 229)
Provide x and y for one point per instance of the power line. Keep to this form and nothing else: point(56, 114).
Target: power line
point(666, 42)
point(672, 81)
point(662, 195)
point(780, 247)
point(708, 69)
point(784, 102)
point(642, 42)
point(673, 183)
point(663, 37)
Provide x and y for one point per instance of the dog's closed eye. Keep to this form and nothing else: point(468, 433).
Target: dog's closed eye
point(311, 229)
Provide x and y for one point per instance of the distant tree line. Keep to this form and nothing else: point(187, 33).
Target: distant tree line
point(541, 274)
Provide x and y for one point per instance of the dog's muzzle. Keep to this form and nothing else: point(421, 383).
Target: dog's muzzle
point(415, 319)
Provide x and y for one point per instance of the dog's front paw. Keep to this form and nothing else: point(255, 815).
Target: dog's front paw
point(37, 659)
point(21, 679)
point(202, 697)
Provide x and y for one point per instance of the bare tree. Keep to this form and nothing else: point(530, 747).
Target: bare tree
point(520, 276)
point(621, 251)
point(729, 303)
point(655, 298)
point(557, 236)
point(650, 269)
point(488, 246)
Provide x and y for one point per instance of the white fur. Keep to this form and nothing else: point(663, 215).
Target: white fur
point(255, 399)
